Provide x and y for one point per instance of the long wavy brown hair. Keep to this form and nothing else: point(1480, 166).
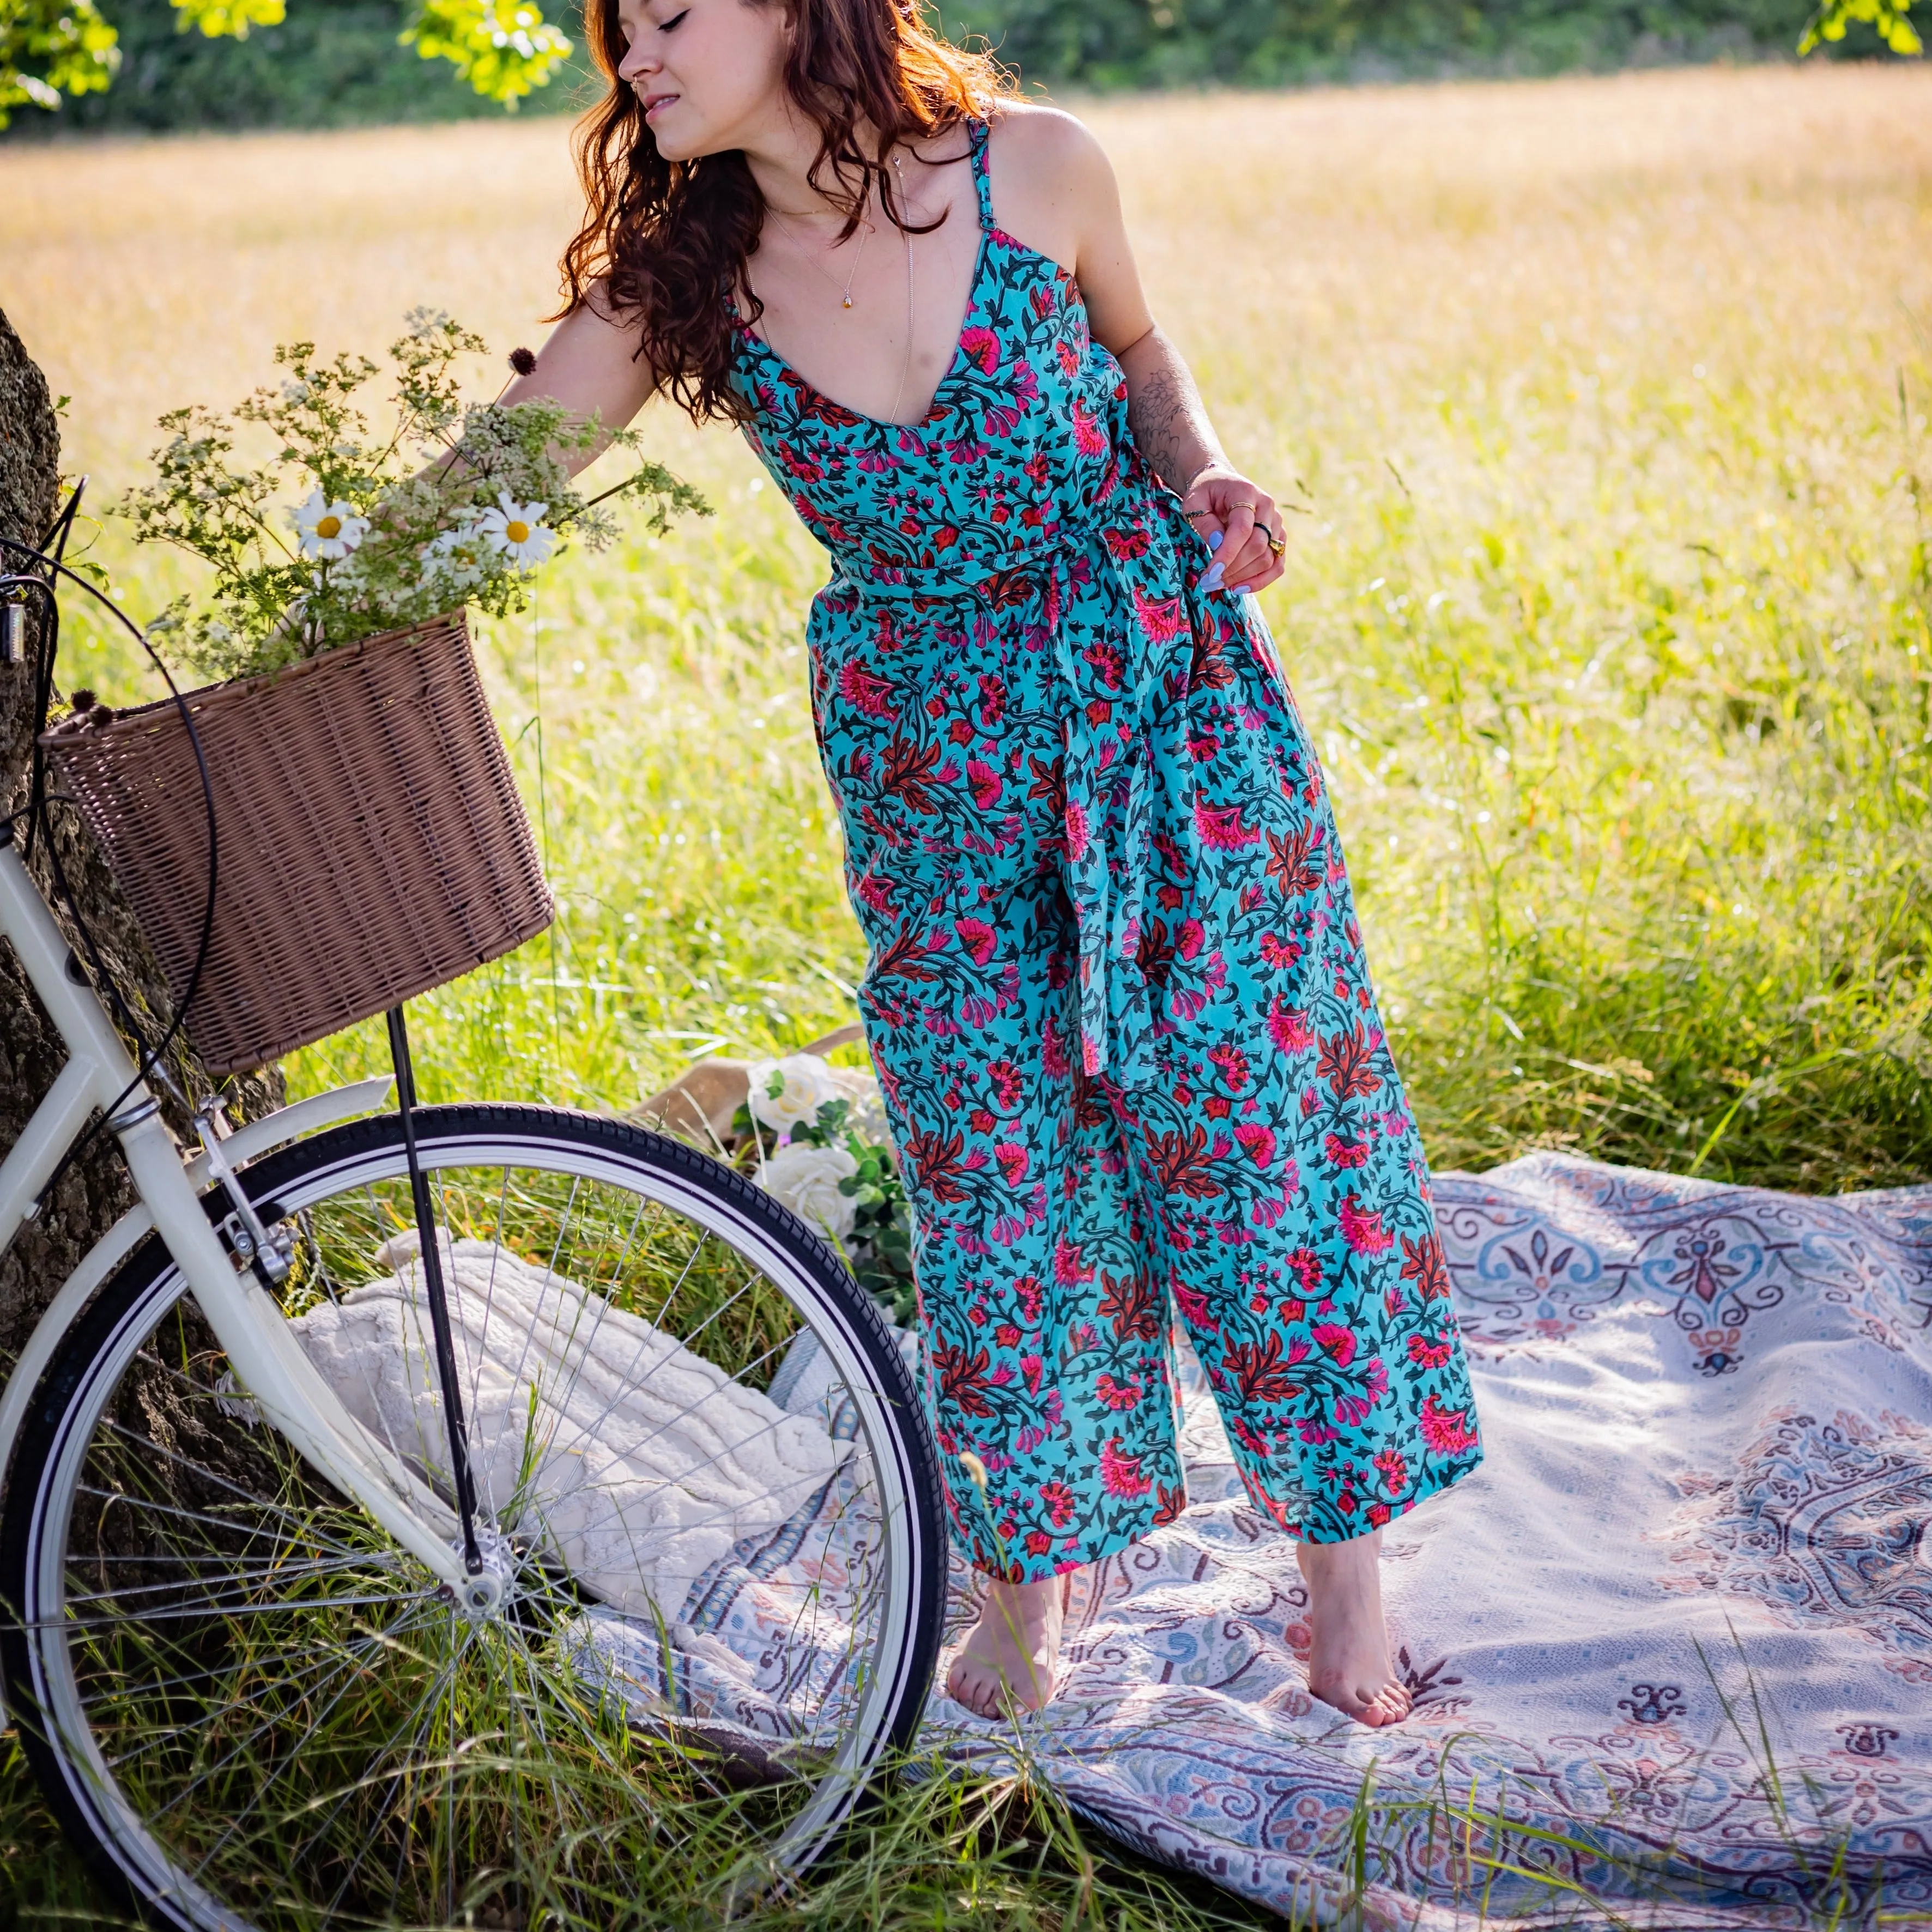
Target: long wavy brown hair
point(669, 239)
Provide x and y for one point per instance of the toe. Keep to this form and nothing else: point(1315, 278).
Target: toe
point(978, 1689)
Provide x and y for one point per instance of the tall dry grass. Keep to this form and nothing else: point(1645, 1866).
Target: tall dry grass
point(1604, 400)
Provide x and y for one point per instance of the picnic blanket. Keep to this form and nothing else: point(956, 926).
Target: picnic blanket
point(1671, 1647)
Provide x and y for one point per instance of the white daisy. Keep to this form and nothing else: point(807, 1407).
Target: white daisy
point(460, 557)
point(517, 529)
point(329, 531)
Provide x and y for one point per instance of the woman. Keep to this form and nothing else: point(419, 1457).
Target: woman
point(1116, 994)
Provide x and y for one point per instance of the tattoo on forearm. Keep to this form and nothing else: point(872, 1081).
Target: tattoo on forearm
point(1169, 425)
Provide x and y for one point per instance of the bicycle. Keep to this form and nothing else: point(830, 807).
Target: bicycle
point(483, 1514)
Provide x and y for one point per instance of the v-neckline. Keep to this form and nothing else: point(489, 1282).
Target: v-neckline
point(981, 212)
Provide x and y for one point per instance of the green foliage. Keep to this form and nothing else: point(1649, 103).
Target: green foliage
point(228, 18)
point(1886, 18)
point(55, 50)
point(1137, 43)
point(502, 51)
point(456, 505)
point(49, 48)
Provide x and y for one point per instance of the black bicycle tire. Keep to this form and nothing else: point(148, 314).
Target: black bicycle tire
point(41, 1425)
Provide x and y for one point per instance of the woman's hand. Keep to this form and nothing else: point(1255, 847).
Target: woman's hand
point(1222, 502)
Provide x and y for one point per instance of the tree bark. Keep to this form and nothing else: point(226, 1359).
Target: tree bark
point(94, 1191)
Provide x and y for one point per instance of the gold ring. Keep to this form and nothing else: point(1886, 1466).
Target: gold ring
point(1276, 544)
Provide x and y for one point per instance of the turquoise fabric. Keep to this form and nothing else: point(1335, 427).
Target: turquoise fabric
point(1116, 993)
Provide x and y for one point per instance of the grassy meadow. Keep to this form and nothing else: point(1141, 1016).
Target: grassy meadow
point(1604, 405)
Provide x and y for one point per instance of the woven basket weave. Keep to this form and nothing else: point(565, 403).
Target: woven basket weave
point(371, 842)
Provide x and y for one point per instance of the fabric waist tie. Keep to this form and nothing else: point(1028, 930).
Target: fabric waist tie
point(1106, 855)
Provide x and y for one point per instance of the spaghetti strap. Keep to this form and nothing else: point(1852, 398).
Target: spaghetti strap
point(981, 182)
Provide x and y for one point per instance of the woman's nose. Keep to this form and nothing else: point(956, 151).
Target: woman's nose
point(638, 58)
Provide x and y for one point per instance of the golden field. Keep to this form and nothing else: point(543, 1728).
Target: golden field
point(1604, 400)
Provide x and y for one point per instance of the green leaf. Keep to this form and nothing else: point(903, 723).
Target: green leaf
point(502, 48)
point(227, 19)
point(1886, 18)
point(49, 48)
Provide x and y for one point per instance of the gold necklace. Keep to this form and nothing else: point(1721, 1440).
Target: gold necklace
point(805, 248)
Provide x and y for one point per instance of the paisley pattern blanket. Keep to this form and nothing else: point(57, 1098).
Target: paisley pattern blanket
point(1671, 1647)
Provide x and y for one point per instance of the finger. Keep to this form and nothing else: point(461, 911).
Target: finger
point(1237, 520)
point(1257, 564)
point(1249, 565)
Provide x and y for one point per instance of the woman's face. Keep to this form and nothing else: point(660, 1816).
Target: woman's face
point(709, 72)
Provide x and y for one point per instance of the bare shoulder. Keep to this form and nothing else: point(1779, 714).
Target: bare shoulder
point(1053, 186)
point(1049, 146)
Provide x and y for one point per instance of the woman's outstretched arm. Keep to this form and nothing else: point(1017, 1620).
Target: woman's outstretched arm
point(588, 365)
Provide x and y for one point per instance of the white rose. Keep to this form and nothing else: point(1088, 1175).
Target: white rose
point(806, 1179)
point(805, 1084)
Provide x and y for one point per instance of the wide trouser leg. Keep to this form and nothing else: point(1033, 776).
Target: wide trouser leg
point(1048, 1360)
point(1281, 1163)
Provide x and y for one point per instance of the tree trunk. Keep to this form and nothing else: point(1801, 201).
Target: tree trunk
point(94, 1192)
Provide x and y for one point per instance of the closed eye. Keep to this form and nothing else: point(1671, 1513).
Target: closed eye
point(666, 26)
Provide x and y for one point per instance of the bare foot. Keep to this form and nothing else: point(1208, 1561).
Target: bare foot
point(1011, 1654)
point(1349, 1663)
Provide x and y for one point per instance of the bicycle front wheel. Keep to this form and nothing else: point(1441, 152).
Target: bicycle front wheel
point(705, 1491)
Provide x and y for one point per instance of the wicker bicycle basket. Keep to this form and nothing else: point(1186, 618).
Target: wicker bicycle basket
point(370, 842)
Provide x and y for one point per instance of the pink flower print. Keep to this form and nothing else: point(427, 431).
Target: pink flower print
point(1070, 1267)
point(1307, 1266)
point(1006, 1079)
point(1120, 1473)
point(1057, 1501)
point(1090, 438)
point(1221, 826)
point(1352, 1411)
point(1427, 1354)
point(1031, 1368)
point(1362, 1227)
point(1046, 298)
point(1394, 1468)
point(1446, 1430)
point(1338, 1343)
point(1343, 1153)
point(1189, 938)
point(986, 781)
point(1194, 1306)
point(992, 701)
point(877, 894)
point(1279, 953)
point(1076, 829)
point(1288, 1028)
point(1053, 1052)
point(978, 937)
point(982, 348)
point(1117, 1395)
point(1257, 1142)
point(866, 690)
point(1233, 1065)
point(1163, 619)
point(1013, 1162)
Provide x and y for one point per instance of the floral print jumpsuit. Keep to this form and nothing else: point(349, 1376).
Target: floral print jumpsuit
point(1116, 994)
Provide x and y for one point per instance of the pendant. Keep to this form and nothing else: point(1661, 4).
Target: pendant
point(848, 301)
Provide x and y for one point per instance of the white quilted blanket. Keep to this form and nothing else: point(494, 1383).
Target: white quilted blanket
point(652, 1463)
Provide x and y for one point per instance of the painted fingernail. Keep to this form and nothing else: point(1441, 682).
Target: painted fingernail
point(1211, 577)
point(1214, 538)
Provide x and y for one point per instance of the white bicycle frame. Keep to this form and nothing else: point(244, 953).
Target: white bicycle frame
point(268, 1362)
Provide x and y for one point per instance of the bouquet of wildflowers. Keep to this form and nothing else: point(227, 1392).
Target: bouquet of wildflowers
point(831, 1162)
point(459, 503)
